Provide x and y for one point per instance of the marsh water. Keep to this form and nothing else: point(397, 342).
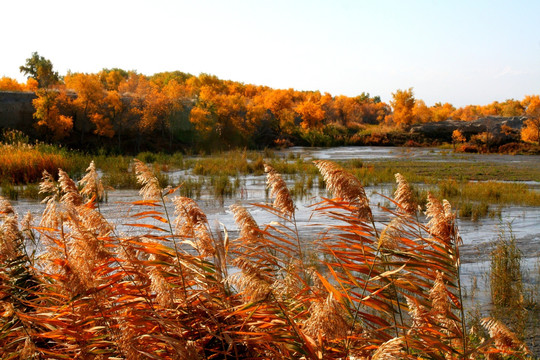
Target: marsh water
point(478, 236)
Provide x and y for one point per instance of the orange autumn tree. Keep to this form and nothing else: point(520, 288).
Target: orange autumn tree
point(467, 113)
point(403, 104)
point(9, 84)
point(90, 102)
point(280, 103)
point(531, 131)
point(421, 112)
point(48, 115)
point(441, 112)
point(311, 112)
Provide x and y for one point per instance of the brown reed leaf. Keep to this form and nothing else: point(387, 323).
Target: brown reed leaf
point(150, 184)
point(283, 200)
point(404, 196)
point(346, 186)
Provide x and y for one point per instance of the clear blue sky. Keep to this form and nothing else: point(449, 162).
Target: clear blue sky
point(462, 52)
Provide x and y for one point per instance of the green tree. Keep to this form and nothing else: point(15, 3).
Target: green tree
point(40, 69)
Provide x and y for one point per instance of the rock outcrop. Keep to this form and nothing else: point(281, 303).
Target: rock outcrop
point(16, 109)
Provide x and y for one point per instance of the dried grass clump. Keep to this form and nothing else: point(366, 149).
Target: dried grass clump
point(163, 292)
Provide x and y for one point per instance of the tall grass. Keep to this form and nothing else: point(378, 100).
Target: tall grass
point(177, 289)
point(23, 163)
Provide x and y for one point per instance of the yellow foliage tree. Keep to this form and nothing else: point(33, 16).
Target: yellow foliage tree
point(531, 131)
point(9, 84)
point(422, 113)
point(48, 115)
point(403, 104)
point(312, 114)
point(441, 112)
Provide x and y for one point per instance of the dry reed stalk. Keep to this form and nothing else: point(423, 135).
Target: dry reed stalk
point(404, 196)
point(283, 200)
point(346, 186)
point(150, 184)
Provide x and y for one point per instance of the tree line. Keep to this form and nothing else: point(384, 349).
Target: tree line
point(171, 110)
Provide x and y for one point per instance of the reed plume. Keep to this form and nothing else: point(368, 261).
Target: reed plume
point(404, 196)
point(254, 282)
point(442, 220)
point(91, 183)
point(150, 184)
point(10, 236)
point(69, 189)
point(420, 315)
point(346, 186)
point(390, 350)
point(283, 200)
point(249, 230)
point(391, 234)
point(191, 224)
point(505, 340)
point(326, 319)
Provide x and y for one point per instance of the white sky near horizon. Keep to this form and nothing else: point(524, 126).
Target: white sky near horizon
point(462, 51)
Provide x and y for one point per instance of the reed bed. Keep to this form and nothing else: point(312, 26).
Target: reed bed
point(23, 163)
point(182, 289)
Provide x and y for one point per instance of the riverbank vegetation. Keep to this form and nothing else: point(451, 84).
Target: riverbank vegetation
point(174, 287)
point(125, 112)
point(477, 189)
